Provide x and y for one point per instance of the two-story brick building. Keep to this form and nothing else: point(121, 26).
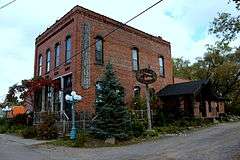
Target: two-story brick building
point(128, 49)
point(75, 50)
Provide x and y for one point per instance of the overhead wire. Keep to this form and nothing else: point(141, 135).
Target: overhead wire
point(7, 4)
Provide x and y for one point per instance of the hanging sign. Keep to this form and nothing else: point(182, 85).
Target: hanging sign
point(146, 76)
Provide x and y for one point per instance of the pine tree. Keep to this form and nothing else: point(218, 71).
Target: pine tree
point(113, 118)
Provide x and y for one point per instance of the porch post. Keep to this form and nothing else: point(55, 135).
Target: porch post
point(52, 99)
point(43, 99)
point(61, 95)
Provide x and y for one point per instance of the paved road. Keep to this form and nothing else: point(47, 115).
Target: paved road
point(220, 142)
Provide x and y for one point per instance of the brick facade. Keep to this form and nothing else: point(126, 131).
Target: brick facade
point(116, 48)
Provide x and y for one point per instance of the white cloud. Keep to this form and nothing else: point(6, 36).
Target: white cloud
point(183, 22)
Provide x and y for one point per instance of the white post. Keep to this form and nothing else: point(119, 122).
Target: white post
point(61, 94)
point(61, 98)
point(148, 108)
point(43, 99)
point(52, 99)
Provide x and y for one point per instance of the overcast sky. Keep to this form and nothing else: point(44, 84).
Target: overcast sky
point(184, 23)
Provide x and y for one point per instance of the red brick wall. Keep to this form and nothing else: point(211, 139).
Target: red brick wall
point(117, 50)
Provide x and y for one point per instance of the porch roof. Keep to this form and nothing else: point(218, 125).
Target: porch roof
point(185, 88)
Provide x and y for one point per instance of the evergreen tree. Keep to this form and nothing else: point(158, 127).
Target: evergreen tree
point(113, 119)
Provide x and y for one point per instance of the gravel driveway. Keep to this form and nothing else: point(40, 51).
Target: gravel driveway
point(221, 142)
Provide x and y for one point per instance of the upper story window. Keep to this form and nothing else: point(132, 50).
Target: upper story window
point(68, 49)
point(40, 62)
point(57, 54)
point(161, 64)
point(135, 59)
point(48, 60)
point(99, 50)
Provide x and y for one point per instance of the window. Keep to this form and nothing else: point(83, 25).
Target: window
point(40, 65)
point(48, 60)
point(57, 54)
point(68, 50)
point(137, 91)
point(99, 50)
point(135, 59)
point(161, 64)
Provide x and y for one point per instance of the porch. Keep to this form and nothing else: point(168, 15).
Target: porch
point(192, 99)
point(50, 99)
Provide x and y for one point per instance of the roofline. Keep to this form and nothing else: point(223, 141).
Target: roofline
point(99, 17)
point(206, 82)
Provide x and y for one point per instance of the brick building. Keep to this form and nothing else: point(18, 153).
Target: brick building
point(128, 49)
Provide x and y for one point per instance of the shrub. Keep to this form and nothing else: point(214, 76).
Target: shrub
point(3, 129)
point(29, 132)
point(47, 129)
point(20, 119)
point(81, 139)
point(171, 129)
point(138, 103)
point(3, 121)
point(138, 128)
point(17, 129)
point(160, 118)
point(233, 109)
point(151, 133)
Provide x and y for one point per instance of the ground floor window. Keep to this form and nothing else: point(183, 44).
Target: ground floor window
point(137, 91)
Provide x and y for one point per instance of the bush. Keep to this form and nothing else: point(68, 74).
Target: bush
point(29, 132)
point(20, 119)
point(151, 133)
point(138, 103)
point(3, 129)
point(233, 109)
point(138, 127)
point(10, 127)
point(160, 118)
point(169, 129)
point(81, 139)
point(17, 129)
point(3, 121)
point(47, 129)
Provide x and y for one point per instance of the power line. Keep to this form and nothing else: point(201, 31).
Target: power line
point(5, 5)
point(108, 34)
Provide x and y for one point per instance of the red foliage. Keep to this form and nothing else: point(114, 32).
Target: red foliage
point(35, 85)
